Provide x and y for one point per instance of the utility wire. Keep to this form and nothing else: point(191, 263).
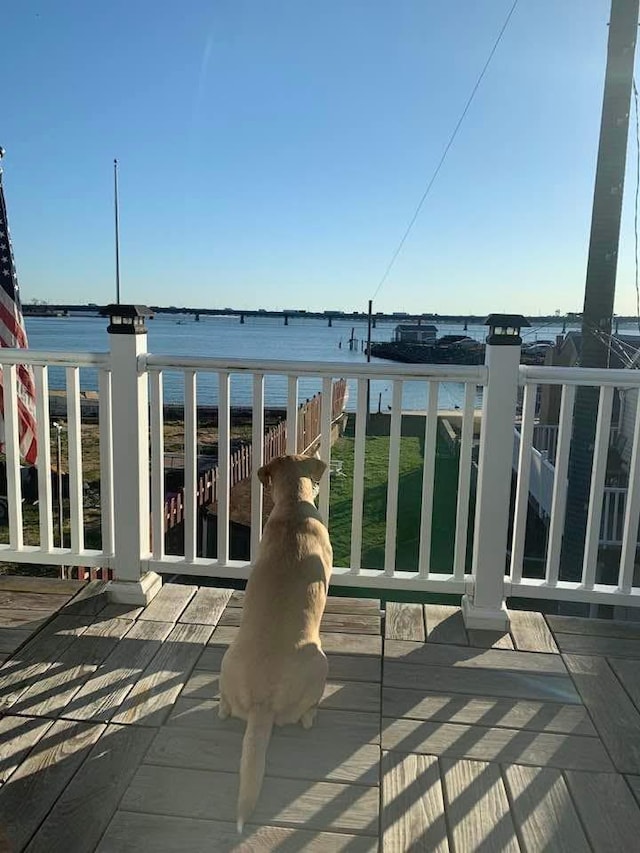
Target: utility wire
point(446, 150)
point(635, 217)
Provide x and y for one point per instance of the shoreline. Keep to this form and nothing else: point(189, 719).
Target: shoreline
point(89, 407)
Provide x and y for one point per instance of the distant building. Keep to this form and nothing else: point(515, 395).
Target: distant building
point(415, 334)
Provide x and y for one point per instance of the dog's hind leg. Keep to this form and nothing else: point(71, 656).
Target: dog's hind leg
point(307, 719)
point(224, 709)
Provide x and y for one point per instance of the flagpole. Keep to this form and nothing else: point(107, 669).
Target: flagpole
point(115, 199)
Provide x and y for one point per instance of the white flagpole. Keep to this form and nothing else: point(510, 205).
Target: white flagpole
point(115, 199)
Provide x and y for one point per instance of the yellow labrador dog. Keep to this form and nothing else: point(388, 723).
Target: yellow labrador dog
point(274, 671)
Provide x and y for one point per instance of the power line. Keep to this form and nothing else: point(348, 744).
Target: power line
point(447, 147)
point(635, 216)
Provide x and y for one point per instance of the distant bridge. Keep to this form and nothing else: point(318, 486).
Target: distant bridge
point(290, 314)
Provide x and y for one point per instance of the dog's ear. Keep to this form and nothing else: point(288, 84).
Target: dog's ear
point(314, 468)
point(264, 475)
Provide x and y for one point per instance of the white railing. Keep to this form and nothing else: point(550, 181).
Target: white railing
point(222, 373)
point(601, 500)
point(132, 463)
point(47, 551)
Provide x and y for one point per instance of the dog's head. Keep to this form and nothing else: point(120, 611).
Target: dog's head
point(294, 475)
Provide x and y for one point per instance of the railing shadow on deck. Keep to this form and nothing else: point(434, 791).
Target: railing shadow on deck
point(70, 742)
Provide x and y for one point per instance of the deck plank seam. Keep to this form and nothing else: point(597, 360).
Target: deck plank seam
point(66, 785)
point(619, 680)
point(517, 829)
point(588, 710)
point(445, 800)
point(574, 803)
point(124, 792)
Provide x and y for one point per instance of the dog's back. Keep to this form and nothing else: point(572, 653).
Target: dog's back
point(275, 670)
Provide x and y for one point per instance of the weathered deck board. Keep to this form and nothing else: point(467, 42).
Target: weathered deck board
point(583, 644)
point(12, 638)
point(336, 643)
point(628, 673)
point(28, 666)
point(102, 695)
point(477, 807)
point(150, 700)
point(206, 606)
point(349, 604)
point(297, 754)
point(89, 601)
point(289, 802)
point(223, 636)
point(481, 682)
point(169, 603)
point(85, 808)
point(404, 621)
point(49, 695)
point(543, 811)
point(34, 601)
point(27, 583)
point(413, 805)
point(531, 633)
point(509, 746)
point(445, 624)
point(23, 617)
point(351, 623)
point(634, 784)
point(351, 696)
point(459, 657)
point(123, 611)
point(490, 639)
point(18, 735)
point(42, 777)
point(478, 710)
point(594, 627)
point(460, 720)
point(140, 833)
point(609, 813)
point(613, 713)
point(354, 668)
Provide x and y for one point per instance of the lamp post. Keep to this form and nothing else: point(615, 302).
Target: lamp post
point(504, 329)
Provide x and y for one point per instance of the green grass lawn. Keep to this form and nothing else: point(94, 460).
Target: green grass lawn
point(409, 504)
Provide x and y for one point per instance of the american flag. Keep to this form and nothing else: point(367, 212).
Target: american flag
point(13, 334)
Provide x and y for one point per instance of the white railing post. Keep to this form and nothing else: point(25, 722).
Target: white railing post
point(484, 604)
point(130, 413)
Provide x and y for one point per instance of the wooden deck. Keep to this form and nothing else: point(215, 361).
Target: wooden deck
point(430, 737)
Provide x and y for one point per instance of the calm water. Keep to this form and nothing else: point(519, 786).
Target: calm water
point(306, 340)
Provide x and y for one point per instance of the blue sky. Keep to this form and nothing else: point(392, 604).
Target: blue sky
point(272, 153)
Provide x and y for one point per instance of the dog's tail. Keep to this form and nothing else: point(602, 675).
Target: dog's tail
point(252, 764)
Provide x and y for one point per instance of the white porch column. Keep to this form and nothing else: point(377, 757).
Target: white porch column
point(484, 605)
point(130, 407)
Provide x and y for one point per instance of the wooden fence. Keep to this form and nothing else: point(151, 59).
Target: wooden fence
point(275, 444)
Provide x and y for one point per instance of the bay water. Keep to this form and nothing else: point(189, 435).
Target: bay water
point(258, 337)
